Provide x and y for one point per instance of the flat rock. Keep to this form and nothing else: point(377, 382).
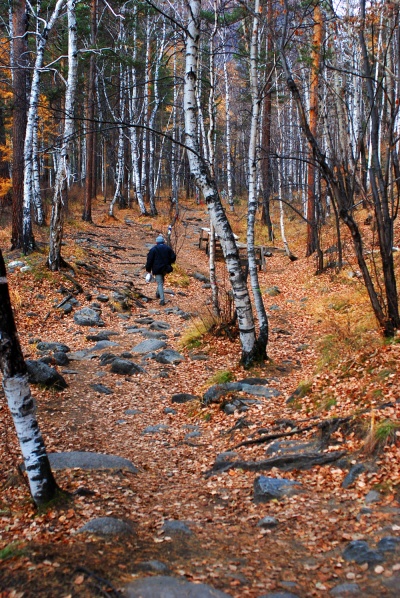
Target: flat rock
point(88, 460)
point(41, 373)
point(149, 345)
point(201, 277)
point(153, 565)
point(184, 397)
point(145, 320)
point(345, 589)
point(160, 325)
point(162, 586)
point(279, 595)
point(43, 346)
point(266, 488)
point(169, 356)
point(372, 496)
point(268, 522)
point(106, 526)
point(156, 429)
point(60, 358)
point(104, 335)
point(173, 526)
point(104, 344)
point(214, 393)
point(153, 334)
point(88, 317)
point(359, 552)
point(388, 544)
point(102, 389)
point(125, 367)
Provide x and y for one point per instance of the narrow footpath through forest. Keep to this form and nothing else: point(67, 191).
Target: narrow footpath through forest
point(185, 503)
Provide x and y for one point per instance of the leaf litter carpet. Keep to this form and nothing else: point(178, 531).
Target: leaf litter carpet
point(174, 445)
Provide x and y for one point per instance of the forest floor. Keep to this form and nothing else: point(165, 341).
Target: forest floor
point(302, 550)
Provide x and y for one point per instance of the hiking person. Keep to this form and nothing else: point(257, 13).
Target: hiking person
point(159, 260)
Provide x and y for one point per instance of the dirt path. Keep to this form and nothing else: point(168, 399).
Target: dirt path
point(173, 445)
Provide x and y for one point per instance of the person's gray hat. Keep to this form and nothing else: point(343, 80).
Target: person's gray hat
point(160, 239)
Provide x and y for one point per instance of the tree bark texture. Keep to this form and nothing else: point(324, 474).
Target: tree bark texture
point(21, 403)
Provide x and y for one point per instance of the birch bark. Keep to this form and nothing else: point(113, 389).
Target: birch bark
point(252, 182)
point(21, 403)
point(55, 260)
point(206, 184)
point(27, 234)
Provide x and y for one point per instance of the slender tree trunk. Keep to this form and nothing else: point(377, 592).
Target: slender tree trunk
point(21, 403)
point(228, 133)
point(20, 107)
point(28, 240)
point(206, 184)
point(55, 260)
point(252, 197)
point(90, 183)
point(314, 82)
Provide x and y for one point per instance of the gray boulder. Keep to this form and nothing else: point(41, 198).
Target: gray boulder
point(388, 544)
point(88, 460)
point(173, 526)
point(159, 325)
point(268, 522)
point(149, 345)
point(88, 317)
point(345, 589)
point(60, 358)
point(183, 397)
point(106, 526)
point(102, 389)
point(58, 347)
point(266, 488)
point(359, 552)
point(162, 586)
point(353, 474)
point(125, 367)
point(169, 356)
point(41, 373)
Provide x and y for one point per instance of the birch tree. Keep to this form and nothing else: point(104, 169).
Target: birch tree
point(252, 181)
point(31, 127)
point(203, 179)
point(55, 260)
point(21, 403)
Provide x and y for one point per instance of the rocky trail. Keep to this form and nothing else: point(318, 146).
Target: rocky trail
point(164, 502)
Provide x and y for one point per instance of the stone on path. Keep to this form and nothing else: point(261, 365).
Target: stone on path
point(160, 325)
point(388, 544)
point(266, 488)
point(279, 595)
point(151, 334)
point(44, 346)
point(106, 526)
point(174, 526)
point(268, 522)
point(88, 317)
point(125, 367)
point(41, 373)
point(169, 356)
point(162, 586)
point(149, 345)
point(359, 552)
point(214, 393)
point(184, 397)
point(88, 460)
point(155, 429)
point(103, 344)
point(372, 496)
point(345, 589)
point(102, 389)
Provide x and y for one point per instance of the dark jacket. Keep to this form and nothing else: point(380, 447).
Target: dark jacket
point(159, 257)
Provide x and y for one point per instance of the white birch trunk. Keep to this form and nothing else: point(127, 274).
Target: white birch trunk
point(206, 184)
point(63, 170)
point(21, 403)
point(228, 136)
point(252, 168)
point(30, 127)
point(133, 130)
